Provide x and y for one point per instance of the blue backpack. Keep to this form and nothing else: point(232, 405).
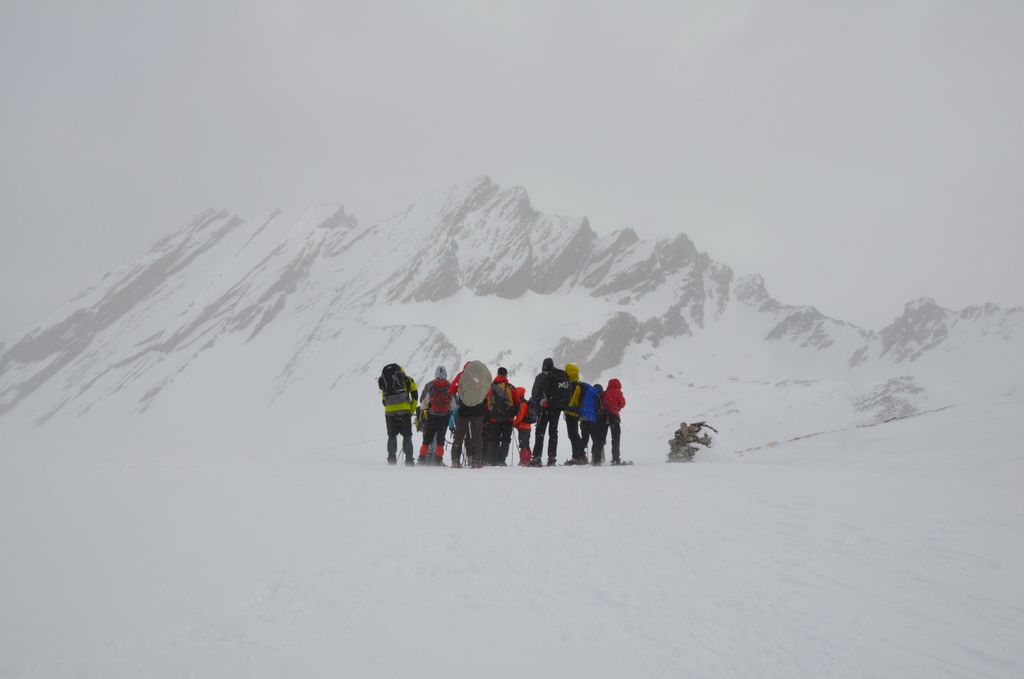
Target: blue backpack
point(590, 399)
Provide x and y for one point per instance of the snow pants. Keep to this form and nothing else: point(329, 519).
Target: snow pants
point(585, 432)
point(604, 425)
point(469, 428)
point(498, 438)
point(433, 430)
point(524, 438)
point(572, 428)
point(547, 421)
point(399, 424)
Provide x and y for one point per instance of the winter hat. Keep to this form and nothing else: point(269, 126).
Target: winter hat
point(440, 373)
point(549, 364)
point(503, 371)
point(573, 371)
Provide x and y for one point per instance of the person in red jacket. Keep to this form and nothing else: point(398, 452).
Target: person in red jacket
point(522, 426)
point(612, 403)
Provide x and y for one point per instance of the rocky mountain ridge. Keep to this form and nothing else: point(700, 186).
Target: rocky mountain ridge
point(310, 277)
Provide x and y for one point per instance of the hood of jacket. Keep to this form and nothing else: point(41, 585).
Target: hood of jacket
point(518, 394)
point(548, 365)
point(500, 379)
point(440, 373)
point(573, 371)
point(614, 383)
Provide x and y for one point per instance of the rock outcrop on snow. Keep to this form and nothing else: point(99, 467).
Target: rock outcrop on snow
point(899, 397)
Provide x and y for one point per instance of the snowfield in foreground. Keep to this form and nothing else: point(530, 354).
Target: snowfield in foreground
point(887, 551)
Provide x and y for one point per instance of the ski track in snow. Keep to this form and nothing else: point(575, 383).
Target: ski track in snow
point(820, 559)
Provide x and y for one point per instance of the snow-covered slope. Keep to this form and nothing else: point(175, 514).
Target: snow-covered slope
point(886, 551)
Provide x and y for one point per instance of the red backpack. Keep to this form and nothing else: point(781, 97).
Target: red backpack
point(440, 399)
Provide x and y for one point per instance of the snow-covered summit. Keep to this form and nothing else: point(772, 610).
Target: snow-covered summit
point(285, 309)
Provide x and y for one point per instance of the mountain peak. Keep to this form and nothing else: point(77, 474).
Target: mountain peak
point(922, 326)
point(337, 219)
point(751, 290)
point(922, 305)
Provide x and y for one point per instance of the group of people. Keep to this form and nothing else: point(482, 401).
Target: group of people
point(482, 413)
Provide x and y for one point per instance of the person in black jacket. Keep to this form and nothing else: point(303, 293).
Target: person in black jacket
point(548, 413)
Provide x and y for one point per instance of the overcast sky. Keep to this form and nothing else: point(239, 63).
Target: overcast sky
point(857, 154)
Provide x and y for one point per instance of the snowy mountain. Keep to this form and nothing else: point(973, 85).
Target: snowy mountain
point(274, 317)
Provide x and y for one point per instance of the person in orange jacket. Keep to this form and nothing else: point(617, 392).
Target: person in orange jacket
point(523, 424)
point(498, 421)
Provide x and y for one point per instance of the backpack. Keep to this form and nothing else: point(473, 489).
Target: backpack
point(440, 399)
point(393, 384)
point(531, 412)
point(589, 398)
point(559, 389)
point(501, 403)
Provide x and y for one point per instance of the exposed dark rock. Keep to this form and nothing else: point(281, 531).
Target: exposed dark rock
point(923, 326)
point(897, 398)
point(601, 350)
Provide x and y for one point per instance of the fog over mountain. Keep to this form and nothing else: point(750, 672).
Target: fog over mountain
point(872, 147)
point(291, 305)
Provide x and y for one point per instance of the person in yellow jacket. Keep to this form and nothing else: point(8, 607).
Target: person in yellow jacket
point(572, 416)
point(399, 396)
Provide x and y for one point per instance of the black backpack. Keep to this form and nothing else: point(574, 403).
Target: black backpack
point(501, 403)
point(559, 389)
point(394, 384)
point(531, 412)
